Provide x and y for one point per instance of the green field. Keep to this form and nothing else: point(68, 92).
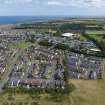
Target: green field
point(99, 36)
point(21, 44)
point(95, 32)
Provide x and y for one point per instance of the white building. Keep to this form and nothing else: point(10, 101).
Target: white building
point(70, 35)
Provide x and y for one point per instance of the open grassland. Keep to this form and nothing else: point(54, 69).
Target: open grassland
point(88, 92)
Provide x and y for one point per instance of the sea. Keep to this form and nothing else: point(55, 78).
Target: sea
point(20, 19)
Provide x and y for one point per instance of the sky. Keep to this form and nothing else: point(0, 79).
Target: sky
point(52, 7)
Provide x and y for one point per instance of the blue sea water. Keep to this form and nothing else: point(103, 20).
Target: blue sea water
point(18, 19)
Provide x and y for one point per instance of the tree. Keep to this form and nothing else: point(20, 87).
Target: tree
point(45, 43)
point(30, 38)
point(62, 46)
point(58, 33)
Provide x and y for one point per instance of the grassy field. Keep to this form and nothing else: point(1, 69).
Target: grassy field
point(22, 44)
point(97, 35)
point(16, 99)
point(88, 92)
point(95, 32)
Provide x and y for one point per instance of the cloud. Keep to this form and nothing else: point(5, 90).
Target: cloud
point(16, 1)
point(79, 3)
point(56, 3)
point(74, 3)
point(71, 7)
